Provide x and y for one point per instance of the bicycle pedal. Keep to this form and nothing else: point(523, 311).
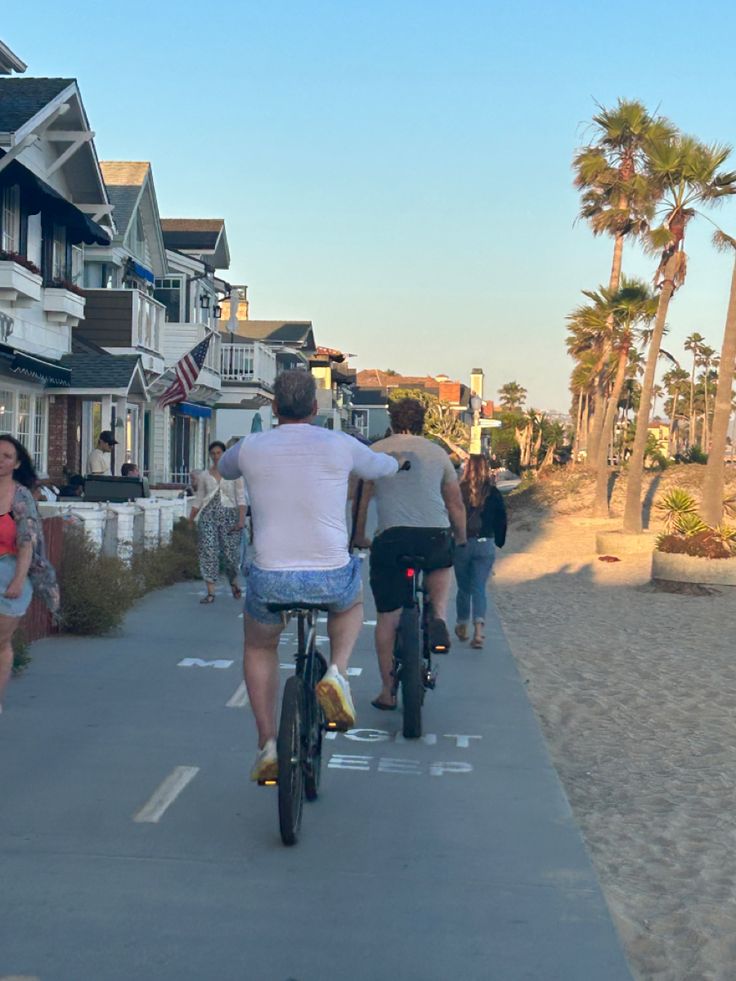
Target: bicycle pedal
point(268, 783)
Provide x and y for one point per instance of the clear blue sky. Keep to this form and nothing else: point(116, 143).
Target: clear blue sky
point(398, 170)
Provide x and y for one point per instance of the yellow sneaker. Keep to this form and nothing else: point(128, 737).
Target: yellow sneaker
point(333, 695)
point(266, 766)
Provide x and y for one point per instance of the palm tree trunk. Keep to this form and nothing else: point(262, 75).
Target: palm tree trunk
point(691, 423)
point(600, 504)
point(706, 419)
point(585, 432)
point(632, 511)
point(578, 427)
point(712, 509)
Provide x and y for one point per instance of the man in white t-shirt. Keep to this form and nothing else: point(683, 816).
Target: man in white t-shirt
point(296, 478)
point(98, 462)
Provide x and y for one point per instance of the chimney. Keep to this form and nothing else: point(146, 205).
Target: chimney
point(476, 382)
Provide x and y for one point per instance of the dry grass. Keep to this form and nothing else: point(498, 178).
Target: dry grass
point(570, 490)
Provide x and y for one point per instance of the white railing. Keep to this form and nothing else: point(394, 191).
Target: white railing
point(180, 338)
point(148, 318)
point(250, 362)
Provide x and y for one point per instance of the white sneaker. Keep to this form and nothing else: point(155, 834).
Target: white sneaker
point(266, 766)
point(333, 694)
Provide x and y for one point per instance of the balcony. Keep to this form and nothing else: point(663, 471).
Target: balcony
point(19, 285)
point(180, 338)
point(63, 306)
point(250, 363)
point(125, 320)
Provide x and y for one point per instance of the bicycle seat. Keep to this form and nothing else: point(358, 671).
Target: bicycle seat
point(295, 607)
point(411, 561)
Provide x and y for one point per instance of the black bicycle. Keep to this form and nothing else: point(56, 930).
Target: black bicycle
point(299, 742)
point(412, 671)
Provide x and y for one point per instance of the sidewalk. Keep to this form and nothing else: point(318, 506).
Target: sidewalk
point(453, 857)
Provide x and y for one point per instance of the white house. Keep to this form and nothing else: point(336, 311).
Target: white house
point(53, 204)
point(196, 248)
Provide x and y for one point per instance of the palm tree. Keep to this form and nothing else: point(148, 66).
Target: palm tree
point(618, 196)
point(712, 509)
point(627, 310)
point(657, 393)
point(705, 361)
point(674, 381)
point(513, 396)
point(693, 343)
point(690, 175)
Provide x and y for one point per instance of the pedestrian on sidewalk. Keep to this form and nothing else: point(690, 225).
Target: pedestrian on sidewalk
point(219, 513)
point(24, 567)
point(486, 522)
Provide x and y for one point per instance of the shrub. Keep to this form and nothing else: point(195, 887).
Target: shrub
point(21, 647)
point(696, 455)
point(687, 534)
point(96, 590)
point(176, 562)
point(675, 505)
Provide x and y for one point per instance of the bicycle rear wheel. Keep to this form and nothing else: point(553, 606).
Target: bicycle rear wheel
point(314, 734)
point(291, 750)
point(410, 667)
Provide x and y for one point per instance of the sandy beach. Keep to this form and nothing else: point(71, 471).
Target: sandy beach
point(636, 692)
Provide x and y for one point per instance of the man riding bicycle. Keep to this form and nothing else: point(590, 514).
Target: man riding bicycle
point(297, 482)
point(416, 516)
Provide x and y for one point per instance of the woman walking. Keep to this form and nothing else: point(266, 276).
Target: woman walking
point(486, 516)
point(219, 510)
point(23, 563)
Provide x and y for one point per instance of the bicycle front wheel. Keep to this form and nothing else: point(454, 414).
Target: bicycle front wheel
point(290, 746)
point(410, 667)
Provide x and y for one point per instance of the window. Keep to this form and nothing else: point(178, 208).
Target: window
point(77, 265)
point(7, 411)
point(59, 266)
point(360, 421)
point(180, 448)
point(10, 219)
point(169, 292)
point(25, 416)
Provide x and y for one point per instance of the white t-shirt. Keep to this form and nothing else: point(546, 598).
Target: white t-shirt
point(98, 463)
point(296, 477)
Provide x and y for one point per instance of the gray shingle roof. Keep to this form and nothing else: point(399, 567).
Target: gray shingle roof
point(124, 200)
point(22, 98)
point(276, 331)
point(100, 370)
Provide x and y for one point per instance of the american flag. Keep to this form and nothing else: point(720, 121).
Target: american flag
point(187, 371)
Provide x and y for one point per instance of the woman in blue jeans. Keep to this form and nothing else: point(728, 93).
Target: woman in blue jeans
point(486, 515)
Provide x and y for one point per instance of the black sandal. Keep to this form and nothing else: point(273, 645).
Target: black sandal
point(383, 706)
point(209, 598)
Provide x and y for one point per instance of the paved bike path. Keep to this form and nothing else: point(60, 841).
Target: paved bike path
point(453, 857)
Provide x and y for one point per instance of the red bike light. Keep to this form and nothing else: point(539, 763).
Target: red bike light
point(410, 573)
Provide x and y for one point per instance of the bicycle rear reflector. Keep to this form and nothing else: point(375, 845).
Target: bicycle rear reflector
point(410, 573)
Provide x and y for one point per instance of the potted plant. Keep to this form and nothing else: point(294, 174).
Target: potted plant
point(689, 550)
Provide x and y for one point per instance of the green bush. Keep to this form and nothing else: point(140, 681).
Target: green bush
point(21, 647)
point(96, 590)
point(696, 455)
point(176, 562)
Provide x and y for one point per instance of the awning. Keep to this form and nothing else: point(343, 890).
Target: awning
point(37, 195)
point(140, 271)
point(26, 365)
point(195, 411)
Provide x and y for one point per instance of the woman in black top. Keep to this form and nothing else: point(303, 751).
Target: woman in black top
point(486, 517)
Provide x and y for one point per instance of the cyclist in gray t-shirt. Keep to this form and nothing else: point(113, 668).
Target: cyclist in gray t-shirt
point(418, 512)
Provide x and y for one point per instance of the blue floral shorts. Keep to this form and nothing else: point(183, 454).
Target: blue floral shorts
point(337, 590)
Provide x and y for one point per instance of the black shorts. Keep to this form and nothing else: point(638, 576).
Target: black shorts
point(434, 546)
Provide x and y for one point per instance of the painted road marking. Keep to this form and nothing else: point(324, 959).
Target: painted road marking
point(462, 742)
point(382, 736)
point(19, 977)
point(239, 699)
point(198, 662)
point(165, 795)
point(349, 761)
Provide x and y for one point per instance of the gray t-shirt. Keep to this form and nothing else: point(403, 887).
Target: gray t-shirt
point(413, 499)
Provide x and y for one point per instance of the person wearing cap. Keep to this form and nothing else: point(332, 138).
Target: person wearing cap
point(98, 462)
